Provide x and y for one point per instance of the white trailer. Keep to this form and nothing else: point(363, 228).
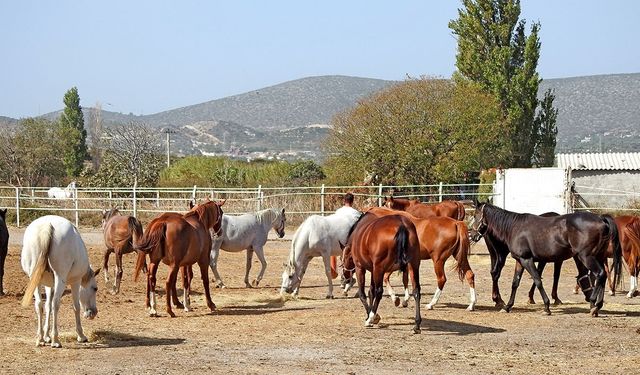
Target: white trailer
point(533, 190)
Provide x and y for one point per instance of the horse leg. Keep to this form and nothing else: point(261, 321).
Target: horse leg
point(375, 290)
point(248, 268)
point(170, 286)
point(58, 290)
point(204, 274)
point(263, 265)
point(496, 269)
point(530, 266)
point(405, 283)
point(327, 270)
point(105, 265)
point(38, 307)
point(75, 295)
point(213, 263)
point(517, 276)
point(612, 288)
point(360, 274)
point(119, 272)
point(392, 294)
point(438, 267)
point(187, 275)
point(541, 266)
point(632, 265)
point(557, 268)
point(48, 291)
point(151, 289)
point(471, 280)
point(414, 271)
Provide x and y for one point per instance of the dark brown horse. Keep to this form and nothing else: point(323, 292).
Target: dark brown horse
point(179, 241)
point(529, 238)
point(4, 246)
point(381, 245)
point(452, 209)
point(440, 238)
point(120, 233)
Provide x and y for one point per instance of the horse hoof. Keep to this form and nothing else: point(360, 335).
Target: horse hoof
point(500, 304)
point(557, 302)
point(594, 312)
point(82, 338)
point(255, 283)
point(187, 309)
point(416, 330)
point(547, 312)
point(531, 302)
point(396, 301)
point(40, 342)
point(405, 303)
point(612, 293)
point(171, 314)
point(247, 285)
point(329, 296)
point(376, 319)
point(504, 310)
point(56, 345)
point(113, 292)
point(2, 293)
point(429, 306)
point(470, 308)
point(179, 306)
point(367, 324)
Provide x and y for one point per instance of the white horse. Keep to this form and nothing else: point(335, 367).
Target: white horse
point(58, 193)
point(317, 236)
point(54, 255)
point(247, 232)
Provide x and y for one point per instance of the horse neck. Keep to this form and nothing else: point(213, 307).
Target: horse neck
point(266, 217)
point(500, 223)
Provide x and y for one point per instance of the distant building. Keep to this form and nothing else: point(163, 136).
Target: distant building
point(604, 180)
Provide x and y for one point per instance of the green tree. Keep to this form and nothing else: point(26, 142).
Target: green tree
point(416, 132)
point(543, 155)
point(494, 51)
point(29, 156)
point(73, 134)
point(306, 172)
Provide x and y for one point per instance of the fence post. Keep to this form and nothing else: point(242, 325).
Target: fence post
point(259, 198)
point(380, 195)
point(440, 192)
point(193, 194)
point(157, 198)
point(322, 199)
point(75, 204)
point(135, 207)
point(18, 207)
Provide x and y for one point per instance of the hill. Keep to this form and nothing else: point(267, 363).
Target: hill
point(594, 113)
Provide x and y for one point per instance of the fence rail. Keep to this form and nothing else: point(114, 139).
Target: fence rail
point(84, 205)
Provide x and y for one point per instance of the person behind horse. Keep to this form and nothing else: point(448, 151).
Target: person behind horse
point(346, 209)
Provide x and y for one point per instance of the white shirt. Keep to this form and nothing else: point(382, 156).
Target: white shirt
point(349, 211)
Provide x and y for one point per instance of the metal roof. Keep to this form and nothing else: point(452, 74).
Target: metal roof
point(600, 161)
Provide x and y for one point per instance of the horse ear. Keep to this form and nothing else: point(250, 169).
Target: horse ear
point(191, 204)
point(282, 211)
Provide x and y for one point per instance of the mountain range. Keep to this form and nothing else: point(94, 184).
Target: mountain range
point(594, 113)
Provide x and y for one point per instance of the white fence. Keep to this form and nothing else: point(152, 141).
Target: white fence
point(85, 205)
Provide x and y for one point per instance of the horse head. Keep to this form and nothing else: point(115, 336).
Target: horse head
point(108, 214)
point(279, 222)
point(290, 281)
point(88, 291)
point(478, 223)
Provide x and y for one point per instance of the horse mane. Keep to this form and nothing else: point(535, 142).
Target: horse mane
point(502, 221)
point(270, 214)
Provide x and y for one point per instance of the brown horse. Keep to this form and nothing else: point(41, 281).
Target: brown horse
point(440, 238)
point(179, 241)
point(120, 233)
point(629, 229)
point(452, 209)
point(382, 245)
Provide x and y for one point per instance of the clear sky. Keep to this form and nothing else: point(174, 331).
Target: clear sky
point(149, 56)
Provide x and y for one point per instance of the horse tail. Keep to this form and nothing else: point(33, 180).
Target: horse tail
point(617, 249)
point(136, 229)
point(461, 212)
point(43, 245)
point(401, 241)
point(152, 242)
point(461, 250)
point(632, 231)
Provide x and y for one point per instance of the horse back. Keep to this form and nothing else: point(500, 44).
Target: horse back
point(375, 243)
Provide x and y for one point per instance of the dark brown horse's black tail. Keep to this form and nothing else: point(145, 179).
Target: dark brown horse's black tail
point(461, 250)
point(401, 241)
point(152, 242)
point(617, 249)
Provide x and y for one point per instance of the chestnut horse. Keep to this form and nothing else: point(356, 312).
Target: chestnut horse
point(629, 229)
point(440, 238)
point(529, 238)
point(179, 241)
point(382, 245)
point(120, 233)
point(452, 209)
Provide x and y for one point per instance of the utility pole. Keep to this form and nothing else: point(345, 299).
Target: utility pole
point(168, 132)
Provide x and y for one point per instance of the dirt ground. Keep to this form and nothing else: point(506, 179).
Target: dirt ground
point(255, 331)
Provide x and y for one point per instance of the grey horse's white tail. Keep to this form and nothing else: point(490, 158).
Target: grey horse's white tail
point(43, 244)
